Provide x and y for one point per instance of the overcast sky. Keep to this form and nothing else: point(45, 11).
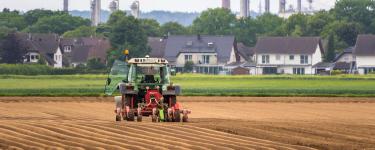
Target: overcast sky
point(149, 5)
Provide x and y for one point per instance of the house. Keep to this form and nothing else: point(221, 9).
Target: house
point(364, 54)
point(345, 61)
point(210, 54)
point(40, 46)
point(288, 55)
point(61, 52)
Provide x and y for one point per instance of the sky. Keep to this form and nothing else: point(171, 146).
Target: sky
point(150, 5)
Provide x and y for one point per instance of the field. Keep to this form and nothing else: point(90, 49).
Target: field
point(198, 85)
point(216, 123)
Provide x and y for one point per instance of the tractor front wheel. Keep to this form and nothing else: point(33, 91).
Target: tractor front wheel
point(177, 116)
point(131, 116)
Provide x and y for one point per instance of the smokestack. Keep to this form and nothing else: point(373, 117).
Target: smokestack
point(282, 6)
point(135, 9)
point(267, 6)
point(225, 4)
point(299, 6)
point(95, 12)
point(245, 8)
point(66, 5)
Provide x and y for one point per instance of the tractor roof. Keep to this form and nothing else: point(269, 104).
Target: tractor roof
point(148, 61)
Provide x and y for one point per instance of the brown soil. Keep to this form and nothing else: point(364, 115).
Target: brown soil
point(216, 123)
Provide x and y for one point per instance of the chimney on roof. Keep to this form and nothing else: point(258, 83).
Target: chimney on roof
point(199, 37)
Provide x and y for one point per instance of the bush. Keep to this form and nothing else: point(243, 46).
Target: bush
point(337, 72)
point(35, 69)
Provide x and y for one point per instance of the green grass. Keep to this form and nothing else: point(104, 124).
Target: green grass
point(198, 85)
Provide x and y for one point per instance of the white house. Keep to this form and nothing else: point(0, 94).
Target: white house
point(288, 55)
point(364, 54)
point(210, 54)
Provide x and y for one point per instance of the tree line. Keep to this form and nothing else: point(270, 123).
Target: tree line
point(338, 26)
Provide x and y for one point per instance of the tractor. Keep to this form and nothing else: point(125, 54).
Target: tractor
point(146, 90)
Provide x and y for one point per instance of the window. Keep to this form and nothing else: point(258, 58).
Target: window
point(291, 57)
point(32, 57)
point(188, 58)
point(67, 49)
point(206, 59)
point(265, 59)
point(300, 71)
point(369, 70)
point(36, 57)
point(278, 57)
point(304, 59)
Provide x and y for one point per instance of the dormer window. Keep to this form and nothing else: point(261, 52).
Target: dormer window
point(189, 43)
point(210, 44)
point(67, 49)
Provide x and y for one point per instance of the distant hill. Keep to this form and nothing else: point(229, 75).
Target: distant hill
point(162, 17)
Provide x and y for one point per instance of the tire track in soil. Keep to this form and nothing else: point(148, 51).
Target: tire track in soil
point(177, 140)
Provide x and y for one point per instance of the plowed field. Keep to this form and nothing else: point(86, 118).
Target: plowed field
point(216, 123)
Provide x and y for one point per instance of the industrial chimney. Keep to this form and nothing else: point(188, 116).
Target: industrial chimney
point(225, 4)
point(66, 5)
point(299, 6)
point(245, 8)
point(267, 6)
point(282, 6)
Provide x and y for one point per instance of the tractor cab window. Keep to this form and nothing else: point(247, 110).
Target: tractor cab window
point(149, 74)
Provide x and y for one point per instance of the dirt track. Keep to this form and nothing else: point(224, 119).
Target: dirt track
point(228, 123)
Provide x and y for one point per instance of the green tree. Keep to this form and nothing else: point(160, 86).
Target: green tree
point(216, 21)
point(151, 27)
point(12, 50)
point(246, 31)
point(348, 32)
point(173, 28)
point(12, 19)
point(189, 66)
point(359, 11)
point(82, 31)
point(296, 21)
point(330, 54)
point(32, 16)
point(317, 22)
point(58, 24)
point(270, 25)
point(127, 33)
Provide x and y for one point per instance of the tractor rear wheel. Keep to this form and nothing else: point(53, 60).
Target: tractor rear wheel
point(177, 116)
point(131, 115)
point(139, 118)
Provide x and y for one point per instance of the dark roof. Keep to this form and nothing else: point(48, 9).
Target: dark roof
point(365, 45)
point(80, 54)
point(245, 51)
point(342, 66)
point(348, 50)
point(323, 65)
point(288, 45)
point(157, 46)
point(222, 45)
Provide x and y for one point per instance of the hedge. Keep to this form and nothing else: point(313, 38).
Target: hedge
point(34, 69)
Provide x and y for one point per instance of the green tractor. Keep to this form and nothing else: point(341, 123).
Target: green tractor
point(146, 90)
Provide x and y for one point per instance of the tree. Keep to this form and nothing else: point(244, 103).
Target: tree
point(127, 33)
point(246, 31)
point(189, 66)
point(297, 31)
point(348, 32)
point(12, 50)
point(270, 25)
point(12, 19)
point(317, 22)
point(173, 28)
point(358, 11)
point(216, 21)
point(95, 64)
point(32, 16)
point(82, 31)
point(58, 24)
point(330, 54)
point(151, 27)
point(296, 21)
